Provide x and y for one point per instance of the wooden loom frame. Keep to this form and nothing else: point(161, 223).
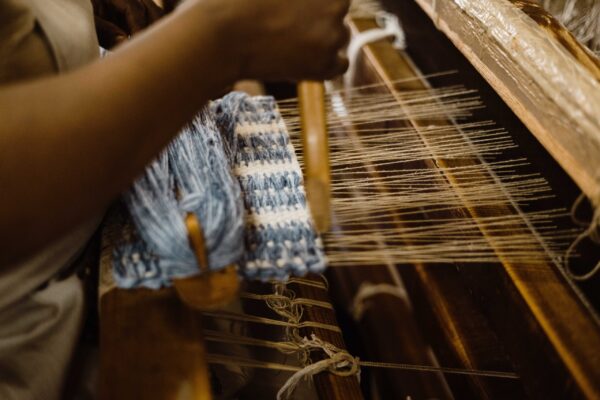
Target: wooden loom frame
point(543, 305)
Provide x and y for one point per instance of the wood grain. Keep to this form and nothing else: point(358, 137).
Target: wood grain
point(151, 347)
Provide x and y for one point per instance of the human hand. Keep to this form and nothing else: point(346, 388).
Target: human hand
point(290, 40)
point(116, 20)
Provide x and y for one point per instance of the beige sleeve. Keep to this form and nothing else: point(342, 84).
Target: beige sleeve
point(24, 51)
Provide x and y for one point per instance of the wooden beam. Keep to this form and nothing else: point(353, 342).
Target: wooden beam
point(541, 72)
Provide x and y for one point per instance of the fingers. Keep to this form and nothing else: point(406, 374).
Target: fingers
point(340, 8)
point(109, 34)
point(296, 40)
point(169, 5)
point(135, 16)
point(130, 16)
point(341, 65)
point(333, 67)
point(338, 38)
point(153, 11)
point(335, 59)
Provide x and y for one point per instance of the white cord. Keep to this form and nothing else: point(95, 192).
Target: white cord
point(389, 26)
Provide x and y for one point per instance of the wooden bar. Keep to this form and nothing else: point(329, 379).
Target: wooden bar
point(151, 343)
point(551, 84)
point(315, 146)
point(151, 347)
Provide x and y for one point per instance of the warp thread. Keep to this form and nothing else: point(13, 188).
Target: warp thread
point(339, 362)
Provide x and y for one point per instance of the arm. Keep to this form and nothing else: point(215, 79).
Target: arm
point(70, 144)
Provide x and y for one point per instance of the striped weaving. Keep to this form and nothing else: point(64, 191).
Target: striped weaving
point(280, 236)
point(253, 153)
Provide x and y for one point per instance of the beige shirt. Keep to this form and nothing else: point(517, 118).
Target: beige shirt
point(40, 314)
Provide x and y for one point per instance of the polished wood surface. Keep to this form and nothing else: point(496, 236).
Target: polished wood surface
point(315, 149)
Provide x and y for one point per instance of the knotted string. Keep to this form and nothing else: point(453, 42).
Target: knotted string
point(591, 232)
point(339, 362)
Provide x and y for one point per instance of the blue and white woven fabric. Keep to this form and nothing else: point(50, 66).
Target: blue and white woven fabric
point(280, 237)
point(260, 220)
point(191, 176)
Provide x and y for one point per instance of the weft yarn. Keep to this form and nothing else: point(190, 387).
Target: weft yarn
point(280, 238)
point(191, 175)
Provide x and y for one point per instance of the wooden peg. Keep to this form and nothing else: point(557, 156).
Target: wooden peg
point(209, 289)
point(317, 175)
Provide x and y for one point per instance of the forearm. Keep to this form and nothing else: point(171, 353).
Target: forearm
point(82, 137)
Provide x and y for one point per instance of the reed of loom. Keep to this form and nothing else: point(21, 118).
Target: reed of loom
point(545, 305)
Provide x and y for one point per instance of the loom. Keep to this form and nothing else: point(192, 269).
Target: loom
point(447, 224)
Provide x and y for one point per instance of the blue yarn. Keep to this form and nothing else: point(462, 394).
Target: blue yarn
point(191, 175)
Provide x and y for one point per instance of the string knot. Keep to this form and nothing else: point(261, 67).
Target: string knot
point(591, 232)
point(339, 362)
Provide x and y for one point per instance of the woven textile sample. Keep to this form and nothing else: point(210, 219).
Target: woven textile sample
point(191, 175)
point(235, 168)
point(280, 236)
